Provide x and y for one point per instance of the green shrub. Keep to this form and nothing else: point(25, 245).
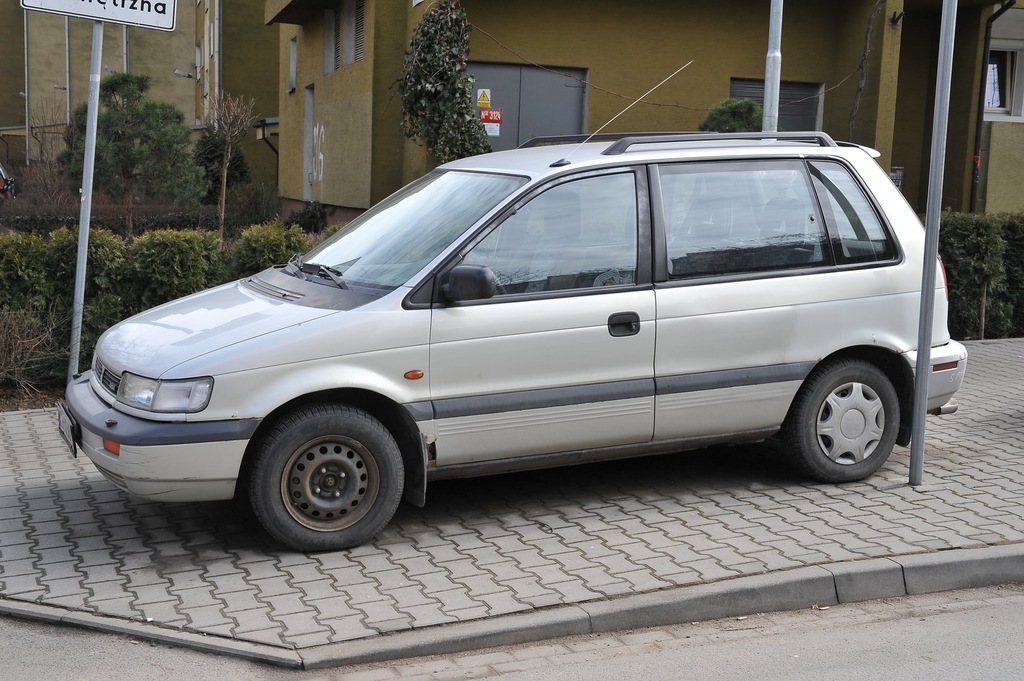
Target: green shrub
point(45, 219)
point(106, 300)
point(22, 269)
point(312, 218)
point(252, 203)
point(1013, 259)
point(208, 152)
point(268, 244)
point(169, 264)
point(972, 250)
point(734, 115)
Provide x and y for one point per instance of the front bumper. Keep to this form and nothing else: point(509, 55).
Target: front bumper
point(167, 461)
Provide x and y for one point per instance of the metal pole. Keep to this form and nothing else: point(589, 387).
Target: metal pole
point(28, 94)
point(773, 70)
point(85, 215)
point(931, 240)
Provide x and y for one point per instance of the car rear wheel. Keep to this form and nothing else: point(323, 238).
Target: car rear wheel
point(843, 423)
point(326, 477)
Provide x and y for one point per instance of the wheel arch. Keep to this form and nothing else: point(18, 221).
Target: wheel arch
point(896, 369)
point(394, 417)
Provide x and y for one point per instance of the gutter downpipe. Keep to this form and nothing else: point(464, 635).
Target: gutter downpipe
point(980, 123)
point(28, 93)
point(67, 71)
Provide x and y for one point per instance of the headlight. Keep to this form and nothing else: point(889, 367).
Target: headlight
point(165, 396)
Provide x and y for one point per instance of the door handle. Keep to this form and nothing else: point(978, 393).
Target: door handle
point(624, 324)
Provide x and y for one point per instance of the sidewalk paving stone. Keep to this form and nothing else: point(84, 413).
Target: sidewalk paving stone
point(518, 543)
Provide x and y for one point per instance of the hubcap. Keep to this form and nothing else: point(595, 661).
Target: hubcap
point(329, 483)
point(850, 423)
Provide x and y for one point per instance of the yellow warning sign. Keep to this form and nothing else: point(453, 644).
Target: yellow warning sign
point(483, 99)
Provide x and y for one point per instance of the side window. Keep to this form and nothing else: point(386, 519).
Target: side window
point(577, 235)
point(729, 218)
point(861, 236)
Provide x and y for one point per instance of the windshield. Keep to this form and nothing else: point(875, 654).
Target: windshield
point(395, 239)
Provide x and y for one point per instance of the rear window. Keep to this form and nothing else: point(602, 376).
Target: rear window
point(861, 235)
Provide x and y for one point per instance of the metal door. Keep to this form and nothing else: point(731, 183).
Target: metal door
point(529, 102)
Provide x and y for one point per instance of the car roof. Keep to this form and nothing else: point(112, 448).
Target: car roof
point(550, 156)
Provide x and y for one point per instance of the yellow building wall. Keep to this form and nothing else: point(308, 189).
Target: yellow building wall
point(915, 104)
point(1004, 172)
point(249, 56)
point(818, 46)
point(332, 161)
point(12, 107)
point(625, 53)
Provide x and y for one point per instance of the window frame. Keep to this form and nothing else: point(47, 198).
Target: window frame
point(831, 225)
point(642, 278)
point(1014, 108)
point(662, 272)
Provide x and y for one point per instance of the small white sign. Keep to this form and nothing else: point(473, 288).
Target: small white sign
point(158, 14)
point(493, 129)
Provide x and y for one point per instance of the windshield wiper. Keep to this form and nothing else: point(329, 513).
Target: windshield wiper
point(330, 273)
point(294, 266)
point(300, 268)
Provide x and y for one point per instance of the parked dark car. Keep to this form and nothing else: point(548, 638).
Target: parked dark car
point(6, 184)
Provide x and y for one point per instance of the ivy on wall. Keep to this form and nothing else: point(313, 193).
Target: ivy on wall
point(435, 88)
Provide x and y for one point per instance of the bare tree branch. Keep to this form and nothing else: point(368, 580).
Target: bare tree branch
point(233, 117)
point(863, 69)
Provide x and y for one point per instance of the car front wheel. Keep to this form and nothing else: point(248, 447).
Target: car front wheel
point(326, 477)
point(842, 425)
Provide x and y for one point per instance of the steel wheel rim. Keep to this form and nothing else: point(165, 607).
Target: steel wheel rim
point(329, 483)
point(850, 423)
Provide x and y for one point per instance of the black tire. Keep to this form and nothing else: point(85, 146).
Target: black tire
point(842, 425)
point(326, 477)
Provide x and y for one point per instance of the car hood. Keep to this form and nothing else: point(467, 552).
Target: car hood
point(154, 342)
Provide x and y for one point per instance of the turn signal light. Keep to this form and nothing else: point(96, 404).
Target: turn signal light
point(112, 447)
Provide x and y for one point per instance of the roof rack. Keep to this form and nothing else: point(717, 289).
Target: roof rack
point(625, 142)
point(549, 140)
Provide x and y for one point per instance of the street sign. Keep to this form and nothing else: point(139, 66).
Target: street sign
point(490, 115)
point(158, 14)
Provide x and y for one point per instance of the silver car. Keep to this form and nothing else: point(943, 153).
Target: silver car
point(545, 306)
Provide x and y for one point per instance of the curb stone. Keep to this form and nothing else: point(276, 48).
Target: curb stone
point(804, 587)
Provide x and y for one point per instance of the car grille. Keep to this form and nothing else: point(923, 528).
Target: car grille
point(108, 379)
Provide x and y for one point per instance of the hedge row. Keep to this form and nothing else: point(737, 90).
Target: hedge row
point(984, 260)
point(247, 204)
point(123, 277)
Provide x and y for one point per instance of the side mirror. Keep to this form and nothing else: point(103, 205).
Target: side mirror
point(469, 282)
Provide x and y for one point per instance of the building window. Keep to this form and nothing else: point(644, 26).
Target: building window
point(332, 40)
point(1004, 96)
point(337, 38)
point(354, 26)
point(293, 64)
point(998, 80)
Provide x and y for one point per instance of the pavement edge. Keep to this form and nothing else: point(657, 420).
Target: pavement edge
point(804, 587)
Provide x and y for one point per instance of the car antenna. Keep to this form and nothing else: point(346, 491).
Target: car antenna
point(565, 161)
